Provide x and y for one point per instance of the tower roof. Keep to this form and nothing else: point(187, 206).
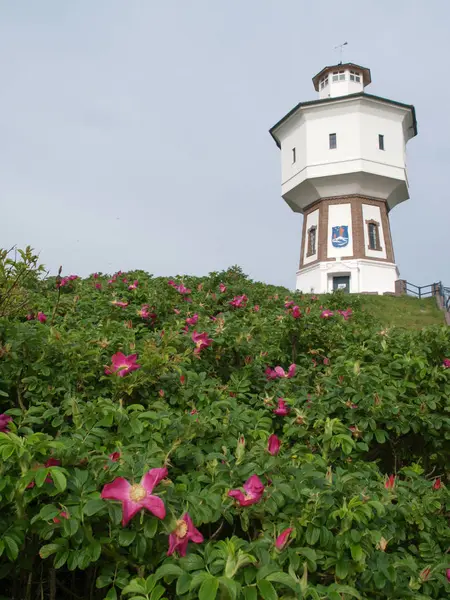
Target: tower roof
point(366, 73)
point(301, 105)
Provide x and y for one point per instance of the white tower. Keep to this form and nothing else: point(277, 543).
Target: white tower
point(343, 166)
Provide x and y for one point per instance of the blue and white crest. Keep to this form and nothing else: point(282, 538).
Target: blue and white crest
point(339, 236)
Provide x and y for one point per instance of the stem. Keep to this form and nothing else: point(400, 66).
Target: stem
point(52, 584)
point(28, 590)
point(58, 281)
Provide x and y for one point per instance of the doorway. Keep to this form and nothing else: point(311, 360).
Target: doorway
point(341, 283)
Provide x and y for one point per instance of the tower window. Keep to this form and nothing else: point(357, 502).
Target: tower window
point(355, 76)
point(311, 241)
point(338, 76)
point(373, 230)
point(333, 141)
point(323, 82)
point(380, 141)
point(294, 155)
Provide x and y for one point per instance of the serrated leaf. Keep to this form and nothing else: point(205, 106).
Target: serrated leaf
point(12, 549)
point(284, 579)
point(356, 552)
point(59, 479)
point(168, 569)
point(135, 587)
point(345, 589)
point(250, 592)
point(60, 558)
point(157, 592)
point(150, 528)
point(126, 537)
point(93, 506)
point(183, 584)
point(112, 594)
point(48, 512)
point(231, 586)
point(208, 589)
point(342, 568)
point(267, 590)
point(40, 477)
point(72, 564)
point(150, 583)
point(48, 550)
point(192, 562)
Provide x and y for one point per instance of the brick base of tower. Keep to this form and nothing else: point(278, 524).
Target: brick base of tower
point(346, 243)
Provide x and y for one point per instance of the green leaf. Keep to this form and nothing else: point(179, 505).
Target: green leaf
point(357, 552)
point(40, 476)
point(94, 551)
point(93, 506)
point(267, 590)
point(72, 564)
point(169, 569)
point(48, 550)
point(150, 583)
point(48, 512)
point(59, 479)
point(342, 568)
point(345, 589)
point(126, 537)
point(380, 436)
point(183, 584)
point(157, 592)
point(70, 527)
point(60, 558)
point(192, 562)
point(112, 594)
point(150, 528)
point(208, 589)
point(250, 593)
point(103, 581)
point(135, 587)
point(312, 534)
point(231, 586)
point(284, 579)
point(12, 549)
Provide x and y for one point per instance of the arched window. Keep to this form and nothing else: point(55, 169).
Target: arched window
point(373, 230)
point(311, 241)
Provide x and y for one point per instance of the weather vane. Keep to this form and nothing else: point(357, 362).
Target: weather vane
point(341, 50)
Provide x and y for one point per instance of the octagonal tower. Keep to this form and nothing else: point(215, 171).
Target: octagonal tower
point(343, 166)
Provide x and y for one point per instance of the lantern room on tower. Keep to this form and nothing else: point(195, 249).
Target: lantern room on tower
point(343, 166)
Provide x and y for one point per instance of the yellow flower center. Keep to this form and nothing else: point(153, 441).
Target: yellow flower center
point(181, 529)
point(137, 492)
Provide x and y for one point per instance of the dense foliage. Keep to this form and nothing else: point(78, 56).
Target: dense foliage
point(108, 460)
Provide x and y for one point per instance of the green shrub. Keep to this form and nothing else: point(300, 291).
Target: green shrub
point(358, 486)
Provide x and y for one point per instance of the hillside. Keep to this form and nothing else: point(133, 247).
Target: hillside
point(219, 438)
point(403, 311)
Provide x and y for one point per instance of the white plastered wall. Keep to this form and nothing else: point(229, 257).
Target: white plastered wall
point(312, 220)
point(373, 213)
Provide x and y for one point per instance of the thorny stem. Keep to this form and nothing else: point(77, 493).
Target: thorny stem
point(58, 283)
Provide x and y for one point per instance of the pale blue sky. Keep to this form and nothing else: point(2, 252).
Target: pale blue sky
point(134, 133)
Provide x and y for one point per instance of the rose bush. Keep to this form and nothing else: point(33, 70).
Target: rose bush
point(164, 439)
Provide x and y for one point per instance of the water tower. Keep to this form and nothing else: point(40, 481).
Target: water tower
point(343, 166)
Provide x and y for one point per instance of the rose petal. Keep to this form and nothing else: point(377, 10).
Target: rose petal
point(119, 489)
point(152, 478)
point(155, 505)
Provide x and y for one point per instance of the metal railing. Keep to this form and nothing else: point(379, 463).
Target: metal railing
point(445, 293)
point(422, 291)
point(432, 289)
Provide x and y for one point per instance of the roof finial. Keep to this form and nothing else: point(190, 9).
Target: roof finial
point(341, 49)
